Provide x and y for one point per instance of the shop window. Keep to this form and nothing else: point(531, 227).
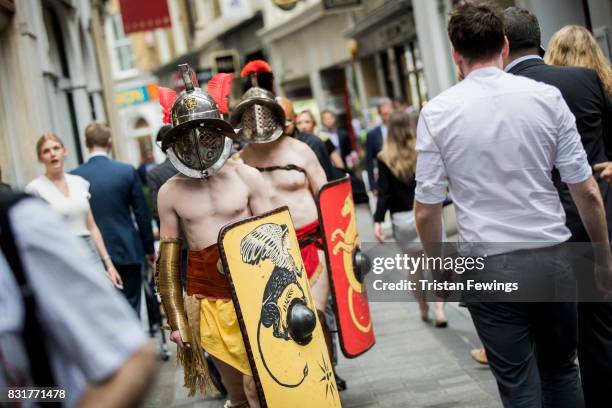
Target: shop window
point(413, 78)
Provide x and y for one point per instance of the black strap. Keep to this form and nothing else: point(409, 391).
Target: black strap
point(287, 167)
point(32, 334)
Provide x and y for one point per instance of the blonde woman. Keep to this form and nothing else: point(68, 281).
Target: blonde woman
point(575, 46)
point(68, 195)
point(396, 184)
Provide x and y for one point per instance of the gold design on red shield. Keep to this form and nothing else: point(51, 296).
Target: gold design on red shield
point(347, 245)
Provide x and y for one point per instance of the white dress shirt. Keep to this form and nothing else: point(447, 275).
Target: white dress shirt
point(90, 330)
point(492, 140)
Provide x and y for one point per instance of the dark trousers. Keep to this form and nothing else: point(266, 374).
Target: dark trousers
point(594, 327)
point(595, 352)
point(531, 347)
point(132, 284)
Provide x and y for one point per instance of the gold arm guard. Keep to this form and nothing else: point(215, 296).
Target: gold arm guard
point(169, 286)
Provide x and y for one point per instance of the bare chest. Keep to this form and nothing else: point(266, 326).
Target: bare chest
point(217, 201)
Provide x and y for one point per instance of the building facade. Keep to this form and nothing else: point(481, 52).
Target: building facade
point(50, 81)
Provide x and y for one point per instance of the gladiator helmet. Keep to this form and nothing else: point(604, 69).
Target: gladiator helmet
point(258, 118)
point(200, 141)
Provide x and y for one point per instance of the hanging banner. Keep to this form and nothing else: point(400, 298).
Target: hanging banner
point(144, 15)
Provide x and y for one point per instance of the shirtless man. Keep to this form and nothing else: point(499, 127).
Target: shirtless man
point(294, 177)
point(201, 206)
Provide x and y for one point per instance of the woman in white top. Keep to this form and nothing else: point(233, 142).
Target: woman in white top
point(69, 196)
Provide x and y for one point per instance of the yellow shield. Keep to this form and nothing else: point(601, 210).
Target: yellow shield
point(290, 364)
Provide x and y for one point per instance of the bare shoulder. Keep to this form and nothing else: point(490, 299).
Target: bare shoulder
point(300, 152)
point(247, 173)
point(171, 185)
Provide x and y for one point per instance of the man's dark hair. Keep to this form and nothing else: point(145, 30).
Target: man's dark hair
point(476, 31)
point(522, 29)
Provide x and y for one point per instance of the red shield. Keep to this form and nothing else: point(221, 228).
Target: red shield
point(341, 240)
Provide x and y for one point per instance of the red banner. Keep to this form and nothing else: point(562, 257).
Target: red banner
point(144, 15)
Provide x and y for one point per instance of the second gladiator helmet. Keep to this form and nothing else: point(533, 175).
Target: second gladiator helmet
point(258, 118)
point(200, 141)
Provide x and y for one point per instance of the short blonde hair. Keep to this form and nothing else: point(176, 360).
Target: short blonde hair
point(97, 134)
point(45, 137)
point(574, 45)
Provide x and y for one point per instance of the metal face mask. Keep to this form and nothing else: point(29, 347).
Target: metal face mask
point(199, 142)
point(258, 117)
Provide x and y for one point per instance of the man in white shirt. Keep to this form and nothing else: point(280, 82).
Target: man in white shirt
point(96, 350)
point(492, 140)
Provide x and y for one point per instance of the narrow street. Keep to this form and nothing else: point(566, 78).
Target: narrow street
point(412, 364)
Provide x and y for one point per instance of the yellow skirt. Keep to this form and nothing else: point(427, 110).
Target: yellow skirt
point(220, 334)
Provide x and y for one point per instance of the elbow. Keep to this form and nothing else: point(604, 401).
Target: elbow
point(422, 214)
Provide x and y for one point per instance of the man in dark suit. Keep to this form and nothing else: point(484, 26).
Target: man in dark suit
point(586, 98)
point(116, 193)
point(375, 140)
point(157, 176)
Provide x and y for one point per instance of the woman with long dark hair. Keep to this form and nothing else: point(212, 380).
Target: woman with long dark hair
point(396, 184)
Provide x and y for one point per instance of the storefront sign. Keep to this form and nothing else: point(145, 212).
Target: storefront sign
point(136, 96)
point(340, 4)
point(144, 15)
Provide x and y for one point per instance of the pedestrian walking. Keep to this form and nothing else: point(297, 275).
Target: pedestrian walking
point(396, 184)
point(69, 196)
point(572, 53)
point(116, 195)
point(305, 122)
point(492, 140)
point(338, 136)
point(375, 140)
point(63, 326)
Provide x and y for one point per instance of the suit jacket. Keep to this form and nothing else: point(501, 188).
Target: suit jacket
point(320, 150)
point(156, 177)
point(374, 144)
point(587, 99)
point(116, 193)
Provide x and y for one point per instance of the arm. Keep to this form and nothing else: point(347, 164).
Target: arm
point(432, 185)
point(382, 203)
point(314, 171)
point(168, 271)
point(142, 215)
point(336, 159)
point(96, 237)
point(571, 161)
point(128, 386)
point(85, 332)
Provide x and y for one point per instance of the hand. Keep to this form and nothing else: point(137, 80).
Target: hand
point(375, 193)
point(606, 171)
point(151, 260)
point(378, 231)
point(603, 276)
point(114, 276)
point(175, 336)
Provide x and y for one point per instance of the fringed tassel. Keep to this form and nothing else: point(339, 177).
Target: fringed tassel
point(195, 368)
